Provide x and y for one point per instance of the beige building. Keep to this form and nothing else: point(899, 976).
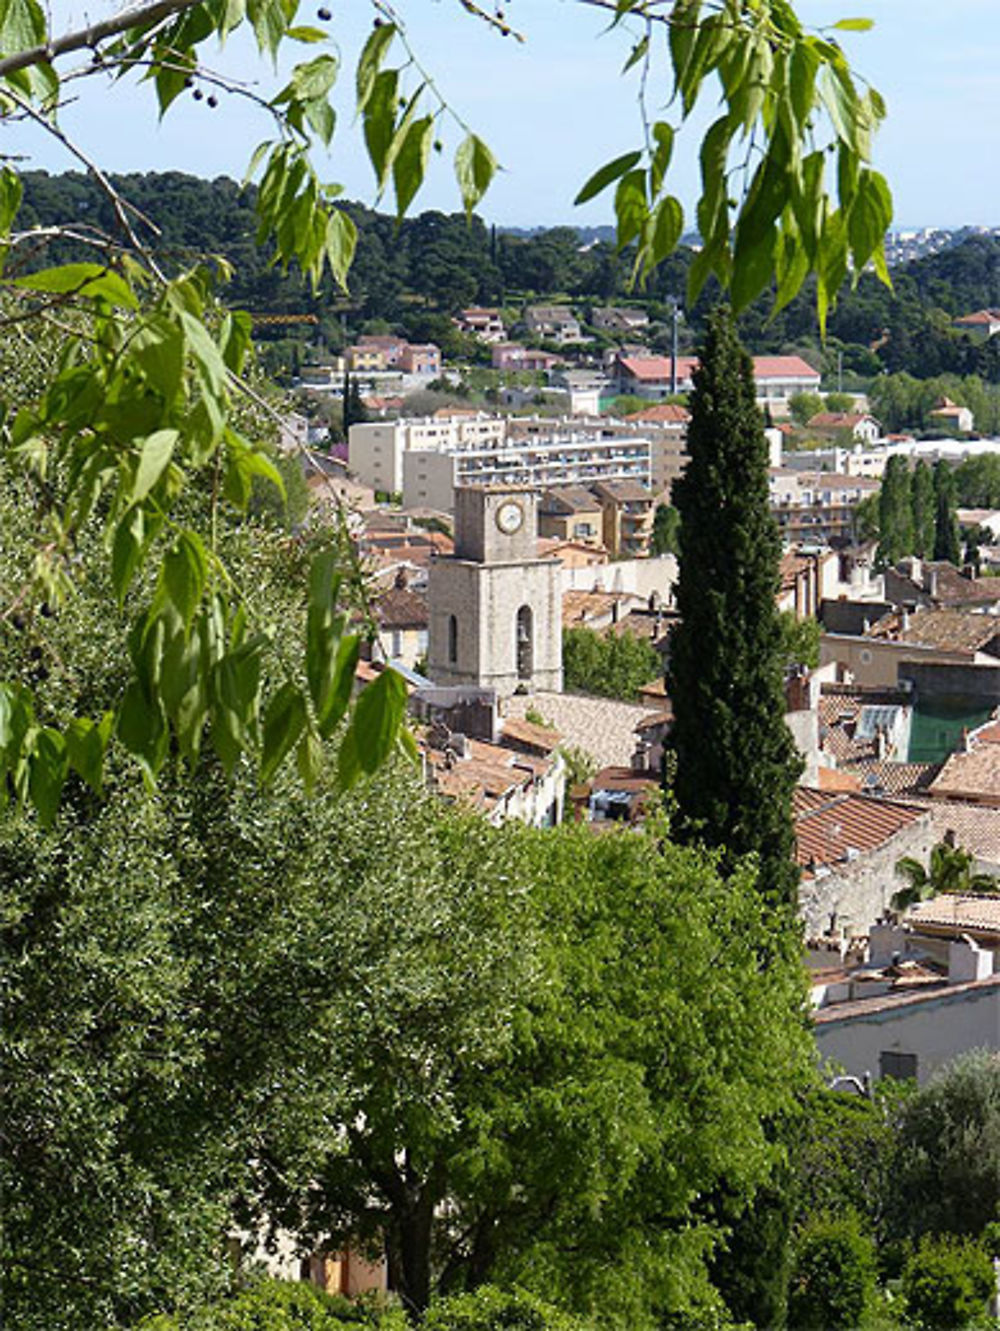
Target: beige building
point(376, 449)
point(495, 607)
point(627, 509)
point(816, 507)
point(570, 513)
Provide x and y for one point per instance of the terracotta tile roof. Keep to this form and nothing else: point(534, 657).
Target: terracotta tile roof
point(865, 1007)
point(833, 778)
point(623, 778)
point(838, 420)
point(579, 607)
point(974, 775)
point(987, 733)
point(979, 317)
point(946, 630)
point(664, 413)
point(568, 498)
point(658, 719)
point(962, 913)
point(952, 587)
point(878, 776)
point(487, 774)
point(658, 367)
point(781, 367)
point(828, 827)
point(402, 607)
point(530, 733)
point(975, 827)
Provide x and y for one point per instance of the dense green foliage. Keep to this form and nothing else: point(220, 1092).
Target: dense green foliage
point(946, 1284)
point(922, 508)
point(277, 1305)
point(833, 1275)
point(736, 761)
point(666, 526)
point(800, 640)
point(610, 665)
point(895, 513)
point(947, 544)
point(947, 1152)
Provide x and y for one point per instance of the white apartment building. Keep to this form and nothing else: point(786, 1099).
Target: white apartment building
point(777, 378)
point(375, 450)
point(429, 477)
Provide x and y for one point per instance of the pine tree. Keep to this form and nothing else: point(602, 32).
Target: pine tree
point(736, 763)
point(922, 504)
point(895, 513)
point(947, 544)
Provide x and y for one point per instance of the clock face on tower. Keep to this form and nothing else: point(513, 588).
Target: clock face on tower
point(510, 516)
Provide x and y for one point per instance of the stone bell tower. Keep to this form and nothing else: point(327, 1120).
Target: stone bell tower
point(495, 607)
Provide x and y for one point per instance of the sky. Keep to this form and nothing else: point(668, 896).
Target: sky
point(555, 107)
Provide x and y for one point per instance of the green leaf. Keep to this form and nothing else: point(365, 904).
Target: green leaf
point(86, 742)
point(81, 279)
point(142, 728)
point(637, 53)
point(631, 209)
point(475, 167)
point(377, 717)
point(315, 78)
point(668, 224)
point(154, 457)
point(185, 572)
point(341, 240)
point(380, 122)
point(47, 773)
point(11, 190)
point(854, 24)
point(607, 174)
point(208, 362)
point(158, 347)
point(284, 722)
point(309, 760)
point(409, 164)
point(126, 551)
point(370, 61)
point(663, 137)
point(236, 339)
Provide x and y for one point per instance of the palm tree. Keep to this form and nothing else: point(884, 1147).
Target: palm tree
point(949, 870)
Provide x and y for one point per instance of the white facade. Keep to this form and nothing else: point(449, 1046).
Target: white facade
point(429, 479)
point(375, 449)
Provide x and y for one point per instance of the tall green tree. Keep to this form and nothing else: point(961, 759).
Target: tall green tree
point(736, 761)
point(895, 513)
point(922, 504)
point(947, 541)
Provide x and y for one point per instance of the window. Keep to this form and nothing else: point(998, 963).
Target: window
point(452, 639)
point(397, 644)
point(523, 643)
point(903, 1067)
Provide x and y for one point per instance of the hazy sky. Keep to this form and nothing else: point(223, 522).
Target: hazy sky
point(555, 107)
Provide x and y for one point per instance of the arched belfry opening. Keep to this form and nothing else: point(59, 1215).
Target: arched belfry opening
point(524, 639)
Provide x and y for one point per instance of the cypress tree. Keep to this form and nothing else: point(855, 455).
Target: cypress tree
point(922, 502)
point(947, 544)
point(736, 764)
point(895, 513)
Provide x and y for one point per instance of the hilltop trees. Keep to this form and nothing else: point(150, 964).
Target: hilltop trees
point(736, 761)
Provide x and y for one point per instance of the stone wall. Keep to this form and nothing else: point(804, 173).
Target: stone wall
point(855, 893)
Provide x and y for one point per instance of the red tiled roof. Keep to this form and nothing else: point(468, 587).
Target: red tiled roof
point(828, 826)
point(959, 912)
point(974, 775)
point(666, 413)
point(863, 1007)
point(833, 778)
point(658, 367)
point(831, 420)
point(520, 731)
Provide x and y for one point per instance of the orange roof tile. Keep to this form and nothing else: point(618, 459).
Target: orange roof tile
point(828, 826)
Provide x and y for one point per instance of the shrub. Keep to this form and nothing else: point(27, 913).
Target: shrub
point(947, 1282)
point(492, 1309)
point(282, 1305)
point(833, 1275)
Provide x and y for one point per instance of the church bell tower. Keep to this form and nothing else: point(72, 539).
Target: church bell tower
point(495, 607)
